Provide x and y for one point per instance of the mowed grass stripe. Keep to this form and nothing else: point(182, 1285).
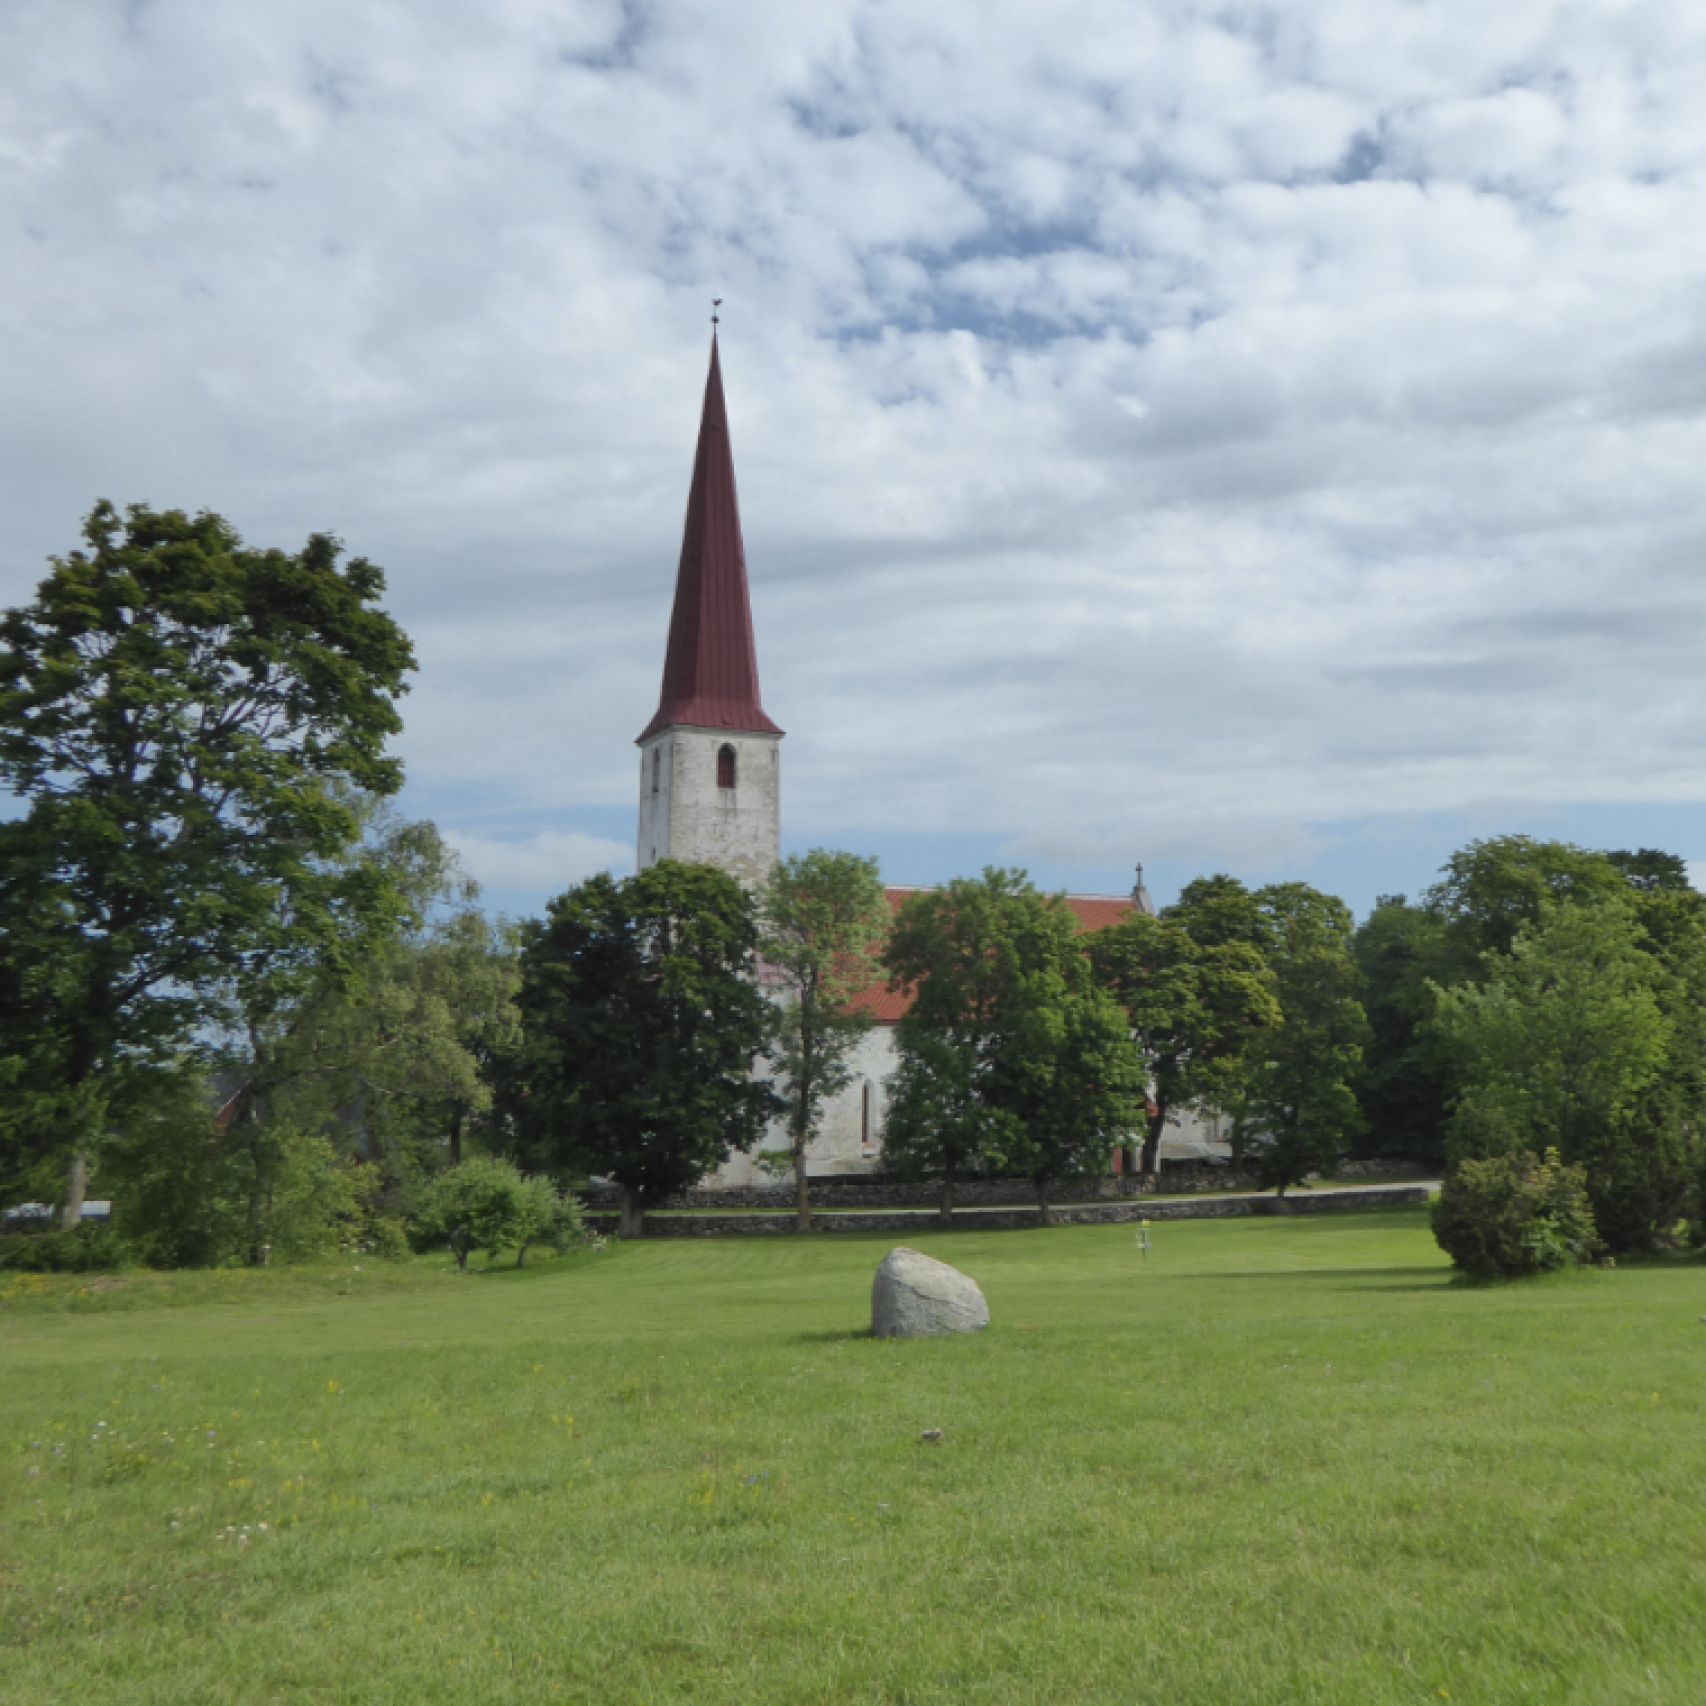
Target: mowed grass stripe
point(1275, 1462)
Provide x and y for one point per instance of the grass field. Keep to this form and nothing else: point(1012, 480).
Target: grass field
point(1278, 1461)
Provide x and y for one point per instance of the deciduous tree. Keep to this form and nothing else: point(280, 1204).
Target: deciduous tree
point(185, 719)
point(1011, 1057)
point(1297, 1110)
point(1196, 993)
point(1582, 1040)
point(824, 920)
point(642, 1022)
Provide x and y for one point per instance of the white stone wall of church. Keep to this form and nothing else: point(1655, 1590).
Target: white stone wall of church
point(685, 815)
point(840, 1147)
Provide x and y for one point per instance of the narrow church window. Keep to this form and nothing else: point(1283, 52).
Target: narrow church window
point(725, 766)
point(657, 766)
point(867, 1121)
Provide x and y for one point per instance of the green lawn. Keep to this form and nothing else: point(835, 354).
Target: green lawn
point(1279, 1461)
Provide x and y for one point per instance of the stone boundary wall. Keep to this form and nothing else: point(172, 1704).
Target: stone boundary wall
point(834, 1193)
point(1005, 1219)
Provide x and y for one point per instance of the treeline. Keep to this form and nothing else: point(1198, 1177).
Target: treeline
point(268, 1017)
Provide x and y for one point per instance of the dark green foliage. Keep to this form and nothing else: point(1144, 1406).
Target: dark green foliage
point(1584, 1040)
point(642, 1024)
point(1650, 871)
point(1196, 992)
point(1490, 889)
point(170, 1173)
point(1012, 1058)
point(1509, 1215)
point(1405, 1086)
point(184, 719)
point(1296, 1111)
point(85, 1249)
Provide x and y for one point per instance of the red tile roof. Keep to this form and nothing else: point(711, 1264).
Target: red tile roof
point(710, 672)
point(1092, 911)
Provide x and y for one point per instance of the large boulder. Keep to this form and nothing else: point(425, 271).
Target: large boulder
point(916, 1297)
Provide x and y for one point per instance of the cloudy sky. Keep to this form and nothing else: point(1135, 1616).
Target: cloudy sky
point(1266, 437)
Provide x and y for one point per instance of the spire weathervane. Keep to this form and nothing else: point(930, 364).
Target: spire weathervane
point(716, 303)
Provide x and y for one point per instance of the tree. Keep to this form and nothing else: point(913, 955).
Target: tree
point(824, 919)
point(1196, 993)
point(393, 1050)
point(1297, 1108)
point(488, 1204)
point(641, 1022)
point(1067, 1074)
point(1405, 1087)
point(1650, 871)
point(184, 719)
point(1011, 1057)
point(1490, 889)
point(1581, 1040)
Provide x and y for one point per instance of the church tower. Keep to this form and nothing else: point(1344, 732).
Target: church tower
point(710, 770)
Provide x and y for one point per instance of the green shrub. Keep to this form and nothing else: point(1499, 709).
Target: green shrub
point(1515, 1214)
point(83, 1250)
point(490, 1205)
point(388, 1237)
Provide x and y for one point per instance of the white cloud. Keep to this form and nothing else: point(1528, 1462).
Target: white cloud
point(1156, 424)
point(547, 863)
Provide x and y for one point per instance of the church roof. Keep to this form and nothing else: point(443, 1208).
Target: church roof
point(1091, 911)
point(710, 672)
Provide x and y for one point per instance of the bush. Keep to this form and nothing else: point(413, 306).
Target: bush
point(83, 1250)
point(1515, 1214)
point(388, 1238)
point(490, 1205)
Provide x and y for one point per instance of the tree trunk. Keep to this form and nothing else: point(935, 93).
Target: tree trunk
point(76, 1188)
point(1045, 1214)
point(1149, 1163)
point(631, 1223)
point(459, 1248)
point(521, 1253)
point(802, 1187)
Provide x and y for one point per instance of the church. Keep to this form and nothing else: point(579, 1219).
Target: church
point(711, 791)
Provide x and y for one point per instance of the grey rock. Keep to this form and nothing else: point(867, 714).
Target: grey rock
point(917, 1297)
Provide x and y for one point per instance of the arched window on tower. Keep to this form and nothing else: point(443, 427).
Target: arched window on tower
point(657, 767)
point(725, 766)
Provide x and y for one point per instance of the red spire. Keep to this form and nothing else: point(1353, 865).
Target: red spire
point(710, 674)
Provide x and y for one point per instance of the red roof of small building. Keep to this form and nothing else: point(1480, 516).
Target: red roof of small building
point(887, 1006)
point(710, 671)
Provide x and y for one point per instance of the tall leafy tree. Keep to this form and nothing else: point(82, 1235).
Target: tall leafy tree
point(1297, 1108)
point(825, 918)
point(1012, 1059)
point(1582, 1040)
point(185, 719)
point(642, 1021)
point(1490, 889)
point(383, 1051)
point(1405, 1087)
point(1195, 989)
